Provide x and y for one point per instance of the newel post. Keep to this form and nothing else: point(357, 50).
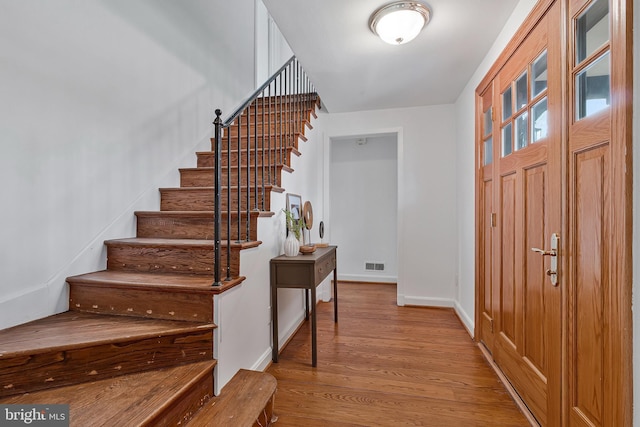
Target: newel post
point(217, 217)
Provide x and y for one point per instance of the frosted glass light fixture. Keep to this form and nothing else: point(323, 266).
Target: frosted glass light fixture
point(399, 22)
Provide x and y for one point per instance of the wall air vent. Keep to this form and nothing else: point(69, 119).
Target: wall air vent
point(374, 266)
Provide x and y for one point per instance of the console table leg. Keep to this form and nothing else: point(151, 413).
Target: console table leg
point(335, 295)
point(314, 340)
point(274, 318)
point(306, 304)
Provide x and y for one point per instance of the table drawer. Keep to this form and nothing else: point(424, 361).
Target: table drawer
point(324, 267)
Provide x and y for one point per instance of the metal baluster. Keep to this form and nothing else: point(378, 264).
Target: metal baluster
point(264, 176)
point(280, 124)
point(239, 175)
point(290, 135)
point(298, 123)
point(246, 237)
point(271, 177)
point(255, 153)
point(228, 204)
point(216, 201)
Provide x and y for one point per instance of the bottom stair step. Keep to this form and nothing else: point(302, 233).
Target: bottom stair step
point(247, 400)
point(75, 347)
point(162, 397)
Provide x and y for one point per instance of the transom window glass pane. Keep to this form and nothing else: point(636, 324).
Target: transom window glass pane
point(488, 151)
point(507, 145)
point(593, 88)
point(592, 29)
point(539, 123)
point(488, 123)
point(521, 91)
point(539, 77)
point(507, 107)
point(522, 134)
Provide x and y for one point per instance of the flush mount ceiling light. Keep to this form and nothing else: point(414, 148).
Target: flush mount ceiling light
point(399, 22)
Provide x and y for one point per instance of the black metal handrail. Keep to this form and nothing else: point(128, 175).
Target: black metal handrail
point(283, 104)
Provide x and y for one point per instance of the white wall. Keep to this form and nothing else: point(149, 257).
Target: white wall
point(426, 195)
point(465, 193)
point(363, 198)
point(100, 102)
point(272, 50)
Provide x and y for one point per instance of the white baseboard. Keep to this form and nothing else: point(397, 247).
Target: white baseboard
point(423, 301)
point(468, 323)
point(367, 278)
point(263, 361)
point(292, 329)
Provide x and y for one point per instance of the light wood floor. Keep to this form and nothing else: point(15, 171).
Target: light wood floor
point(384, 365)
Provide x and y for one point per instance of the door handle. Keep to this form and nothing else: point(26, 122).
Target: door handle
point(545, 253)
point(552, 272)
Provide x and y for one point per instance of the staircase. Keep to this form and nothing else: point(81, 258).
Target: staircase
point(136, 346)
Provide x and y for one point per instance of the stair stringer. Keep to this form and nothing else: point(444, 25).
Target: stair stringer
point(242, 339)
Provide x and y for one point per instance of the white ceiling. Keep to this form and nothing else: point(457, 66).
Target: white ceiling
point(353, 70)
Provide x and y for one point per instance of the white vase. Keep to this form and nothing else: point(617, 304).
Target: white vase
point(291, 245)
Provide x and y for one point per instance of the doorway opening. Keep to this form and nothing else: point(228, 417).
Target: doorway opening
point(363, 206)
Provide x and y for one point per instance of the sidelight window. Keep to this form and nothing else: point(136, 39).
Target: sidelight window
point(592, 75)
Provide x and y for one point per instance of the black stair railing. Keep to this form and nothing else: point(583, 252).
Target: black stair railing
point(265, 126)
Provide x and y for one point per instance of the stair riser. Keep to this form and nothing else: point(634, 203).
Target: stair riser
point(185, 406)
point(172, 227)
point(148, 303)
point(287, 126)
point(171, 260)
point(271, 156)
point(186, 199)
point(205, 178)
point(268, 143)
point(96, 362)
point(296, 102)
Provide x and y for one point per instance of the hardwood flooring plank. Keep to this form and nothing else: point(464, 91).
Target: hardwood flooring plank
point(384, 365)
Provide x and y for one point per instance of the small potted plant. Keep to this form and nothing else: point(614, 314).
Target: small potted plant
point(294, 226)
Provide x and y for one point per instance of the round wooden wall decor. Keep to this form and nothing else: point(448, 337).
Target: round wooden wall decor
point(307, 214)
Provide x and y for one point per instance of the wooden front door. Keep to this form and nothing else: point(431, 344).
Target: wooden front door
point(527, 201)
point(554, 213)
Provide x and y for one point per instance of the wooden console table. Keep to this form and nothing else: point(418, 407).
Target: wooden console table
point(303, 272)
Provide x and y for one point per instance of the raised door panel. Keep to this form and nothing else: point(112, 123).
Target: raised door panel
point(507, 259)
point(535, 278)
point(487, 289)
point(589, 287)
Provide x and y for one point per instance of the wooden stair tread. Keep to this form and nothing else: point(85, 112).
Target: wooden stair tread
point(273, 136)
point(171, 243)
point(294, 150)
point(72, 330)
point(241, 402)
point(201, 214)
point(233, 167)
point(146, 398)
point(171, 282)
point(268, 187)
